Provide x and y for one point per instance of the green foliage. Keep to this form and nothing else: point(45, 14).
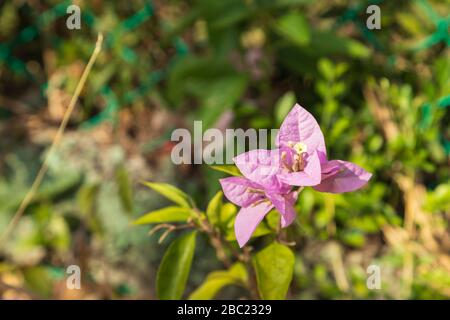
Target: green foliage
point(438, 200)
point(226, 216)
point(172, 193)
point(217, 280)
point(174, 269)
point(294, 27)
point(211, 81)
point(39, 280)
point(167, 214)
point(274, 266)
point(227, 168)
point(214, 208)
point(125, 190)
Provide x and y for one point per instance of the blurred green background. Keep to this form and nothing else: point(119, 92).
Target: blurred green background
point(380, 96)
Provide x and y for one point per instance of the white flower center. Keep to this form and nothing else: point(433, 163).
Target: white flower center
point(298, 163)
point(300, 148)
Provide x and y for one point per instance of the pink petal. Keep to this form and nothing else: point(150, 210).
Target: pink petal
point(310, 176)
point(329, 168)
point(349, 177)
point(260, 166)
point(248, 219)
point(285, 206)
point(300, 126)
point(236, 190)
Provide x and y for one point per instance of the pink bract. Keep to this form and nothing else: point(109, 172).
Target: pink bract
point(300, 159)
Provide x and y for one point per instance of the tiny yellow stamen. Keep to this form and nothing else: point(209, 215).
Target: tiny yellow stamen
point(253, 190)
point(296, 164)
point(301, 163)
point(300, 147)
point(283, 160)
point(259, 202)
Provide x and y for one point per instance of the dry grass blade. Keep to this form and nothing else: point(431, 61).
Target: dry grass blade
point(59, 134)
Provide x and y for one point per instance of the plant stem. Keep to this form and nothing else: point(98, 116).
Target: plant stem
point(221, 245)
point(252, 285)
point(215, 238)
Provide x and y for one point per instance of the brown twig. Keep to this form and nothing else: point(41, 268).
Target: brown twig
point(252, 284)
point(169, 228)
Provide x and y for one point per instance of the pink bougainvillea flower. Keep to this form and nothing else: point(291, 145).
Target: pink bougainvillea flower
point(296, 161)
point(304, 151)
point(299, 160)
point(302, 148)
point(255, 202)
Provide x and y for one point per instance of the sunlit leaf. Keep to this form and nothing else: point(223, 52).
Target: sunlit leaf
point(164, 215)
point(438, 199)
point(227, 168)
point(227, 213)
point(215, 281)
point(214, 208)
point(274, 266)
point(172, 193)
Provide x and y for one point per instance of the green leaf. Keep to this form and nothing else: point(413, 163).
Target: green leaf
point(294, 27)
point(215, 281)
point(174, 270)
point(326, 68)
point(227, 168)
point(327, 43)
point(273, 219)
point(274, 266)
point(172, 193)
point(227, 212)
point(438, 198)
point(125, 190)
point(164, 215)
point(214, 208)
point(86, 198)
point(353, 238)
point(283, 106)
